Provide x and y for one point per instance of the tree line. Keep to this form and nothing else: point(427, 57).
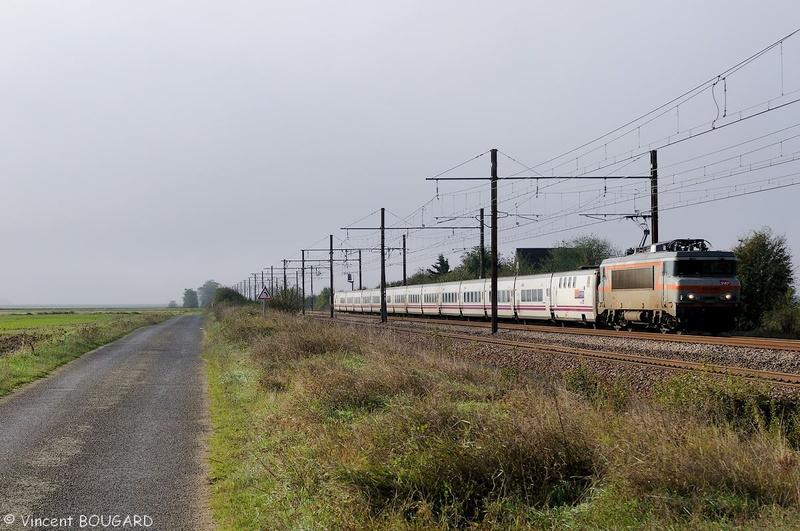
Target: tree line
point(202, 297)
point(767, 302)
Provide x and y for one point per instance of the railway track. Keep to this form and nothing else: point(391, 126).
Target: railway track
point(782, 379)
point(786, 379)
point(732, 341)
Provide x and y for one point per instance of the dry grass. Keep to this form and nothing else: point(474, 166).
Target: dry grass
point(329, 426)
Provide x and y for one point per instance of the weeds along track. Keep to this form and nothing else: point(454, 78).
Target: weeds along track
point(734, 341)
point(774, 361)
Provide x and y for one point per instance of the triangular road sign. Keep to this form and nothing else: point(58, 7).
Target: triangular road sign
point(265, 295)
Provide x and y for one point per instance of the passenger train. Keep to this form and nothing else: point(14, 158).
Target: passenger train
point(678, 285)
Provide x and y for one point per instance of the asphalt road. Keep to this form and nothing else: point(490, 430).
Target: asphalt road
point(113, 440)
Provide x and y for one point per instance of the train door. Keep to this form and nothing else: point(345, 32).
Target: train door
point(549, 294)
point(601, 291)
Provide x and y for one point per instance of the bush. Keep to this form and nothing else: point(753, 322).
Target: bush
point(433, 459)
point(229, 296)
point(286, 300)
point(300, 339)
point(245, 325)
point(746, 407)
point(684, 467)
point(584, 382)
point(784, 320)
point(362, 431)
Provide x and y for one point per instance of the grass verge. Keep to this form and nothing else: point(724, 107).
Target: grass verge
point(33, 345)
point(325, 426)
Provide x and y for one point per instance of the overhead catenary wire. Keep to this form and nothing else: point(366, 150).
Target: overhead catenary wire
point(609, 158)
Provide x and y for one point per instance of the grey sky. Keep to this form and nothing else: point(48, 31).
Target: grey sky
point(149, 146)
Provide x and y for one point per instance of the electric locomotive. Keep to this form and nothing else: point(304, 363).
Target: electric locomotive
point(673, 286)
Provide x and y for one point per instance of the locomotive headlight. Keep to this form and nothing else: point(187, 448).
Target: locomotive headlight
point(691, 296)
point(726, 297)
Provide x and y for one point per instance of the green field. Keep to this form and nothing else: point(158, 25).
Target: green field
point(46, 320)
point(33, 343)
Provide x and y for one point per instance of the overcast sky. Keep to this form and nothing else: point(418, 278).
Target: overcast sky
point(149, 146)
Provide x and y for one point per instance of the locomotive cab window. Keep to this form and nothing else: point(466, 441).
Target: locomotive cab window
point(702, 268)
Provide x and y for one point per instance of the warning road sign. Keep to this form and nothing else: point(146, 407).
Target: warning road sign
point(265, 295)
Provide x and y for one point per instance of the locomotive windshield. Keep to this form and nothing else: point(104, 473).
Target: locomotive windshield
point(702, 268)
